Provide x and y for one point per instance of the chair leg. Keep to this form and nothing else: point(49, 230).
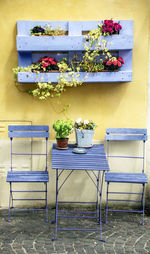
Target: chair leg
point(107, 203)
point(46, 207)
point(10, 200)
point(143, 204)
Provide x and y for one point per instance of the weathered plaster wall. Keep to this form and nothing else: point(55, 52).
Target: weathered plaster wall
point(109, 105)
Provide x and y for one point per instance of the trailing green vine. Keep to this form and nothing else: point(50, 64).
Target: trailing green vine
point(94, 60)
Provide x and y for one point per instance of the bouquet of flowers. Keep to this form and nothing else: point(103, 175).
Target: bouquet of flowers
point(84, 125)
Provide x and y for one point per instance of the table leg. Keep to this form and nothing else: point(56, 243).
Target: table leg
point(97, 205)
point(56, 209)
point(100, 206)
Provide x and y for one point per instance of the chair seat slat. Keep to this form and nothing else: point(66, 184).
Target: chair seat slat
point(27, 176)
point(126, 177)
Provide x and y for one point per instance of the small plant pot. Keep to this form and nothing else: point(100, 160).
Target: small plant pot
point(62, 143)
point(84, 138)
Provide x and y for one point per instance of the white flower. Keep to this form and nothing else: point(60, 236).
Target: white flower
point(79, 120)
point(86, 121)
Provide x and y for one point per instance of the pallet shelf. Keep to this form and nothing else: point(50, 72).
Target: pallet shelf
point(27, 46)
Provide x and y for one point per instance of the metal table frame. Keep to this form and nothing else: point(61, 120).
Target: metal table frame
point(94, 164)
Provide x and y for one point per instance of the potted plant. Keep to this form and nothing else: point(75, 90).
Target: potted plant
point(47, 31)
point(113, 63)
point(84, 131)
point(63, 128)
point(110, 27)
point(46, 64)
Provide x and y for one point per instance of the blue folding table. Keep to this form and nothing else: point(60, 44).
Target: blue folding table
point(94, 163)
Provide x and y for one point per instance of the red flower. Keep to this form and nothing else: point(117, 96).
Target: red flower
point(44, 65)
point(119, 64)
point(115, 62)
point(109, 63)
point(121, 59)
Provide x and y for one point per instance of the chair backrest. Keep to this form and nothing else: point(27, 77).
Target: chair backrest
point(126, 134)
point(28, 131)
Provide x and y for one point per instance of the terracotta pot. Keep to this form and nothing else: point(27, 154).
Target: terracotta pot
point(62, 143)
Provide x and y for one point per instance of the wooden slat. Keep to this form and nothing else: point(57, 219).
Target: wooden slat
point(94, 159)
point(24, 27)
point(28, 128)
point(120, 76)
point(27, 176)
point(28, 134)
point(126, 177)
point(66, 43)
point(126, 130)
point(126, 137)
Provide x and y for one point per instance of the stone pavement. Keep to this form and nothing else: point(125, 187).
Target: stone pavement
point(28, 233)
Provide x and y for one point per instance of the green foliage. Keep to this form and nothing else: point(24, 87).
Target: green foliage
point(93, 46)
point(69, 74)
point(54, 32)
point(47, 30)
point(20, 69)
point(63, 128)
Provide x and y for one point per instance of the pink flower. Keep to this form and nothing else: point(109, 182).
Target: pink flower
point(119, 64)
point(115, 62)
point(109, 63)
point(121, 59)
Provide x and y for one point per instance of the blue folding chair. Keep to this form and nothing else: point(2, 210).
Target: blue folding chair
point(126, 134)
point(27, 131)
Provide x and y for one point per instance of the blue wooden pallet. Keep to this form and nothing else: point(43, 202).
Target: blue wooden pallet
point(121, 76)
point(64, 46)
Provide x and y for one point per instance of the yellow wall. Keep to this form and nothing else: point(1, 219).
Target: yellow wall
point(109, 105)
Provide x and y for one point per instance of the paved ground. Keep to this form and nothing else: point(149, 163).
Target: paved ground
point(28, 233)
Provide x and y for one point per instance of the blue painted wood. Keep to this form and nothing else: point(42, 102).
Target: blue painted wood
point(23, 27)
point(28, 134)
point(27, 45)
point(28, 131)
point(126, 130)
point(120, 76)
point(135, 134)
point(24, 58)
point(94, 159)
point(126, 137)
point(126, 177)
point(27, 176)
point(66, 43)
point(28, 128)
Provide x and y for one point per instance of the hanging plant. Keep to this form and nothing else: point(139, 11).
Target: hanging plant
point(96, 58)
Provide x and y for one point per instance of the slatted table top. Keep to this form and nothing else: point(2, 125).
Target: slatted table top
point(94, 159)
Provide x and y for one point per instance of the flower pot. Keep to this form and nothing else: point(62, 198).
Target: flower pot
point(62, 143)
point(84, 138)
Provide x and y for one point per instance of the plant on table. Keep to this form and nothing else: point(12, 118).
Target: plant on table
point(63, 129)
point(84, 131)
